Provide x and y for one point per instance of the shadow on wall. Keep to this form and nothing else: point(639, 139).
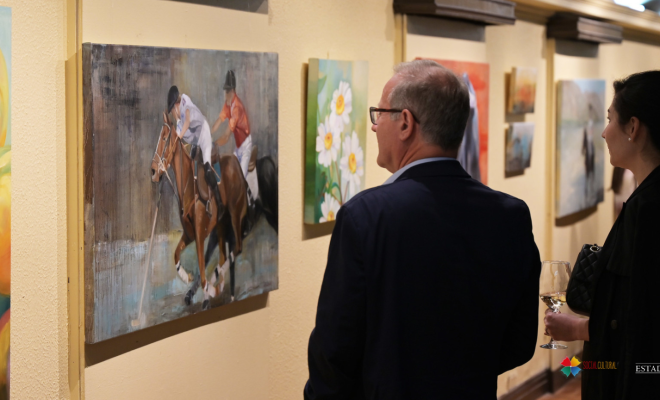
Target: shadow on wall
point(577, 217)
point(107, 349)
point(576, 49)
point(446, 28)
point(256, 6)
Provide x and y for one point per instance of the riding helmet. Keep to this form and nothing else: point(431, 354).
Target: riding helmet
point(230, 81)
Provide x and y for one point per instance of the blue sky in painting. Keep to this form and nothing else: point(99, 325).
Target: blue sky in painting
point(591, 85)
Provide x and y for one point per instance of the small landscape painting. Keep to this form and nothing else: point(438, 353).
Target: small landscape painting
point(519, 146)
point(522, 90)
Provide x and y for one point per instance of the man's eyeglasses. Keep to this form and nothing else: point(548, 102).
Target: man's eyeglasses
point(375, 113)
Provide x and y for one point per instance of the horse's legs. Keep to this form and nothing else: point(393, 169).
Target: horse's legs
point(213, 243)
point(236, 222)
point(232, 275)
point(181, 272)
point(199, 243)
point(218, 277)
point(230, 244)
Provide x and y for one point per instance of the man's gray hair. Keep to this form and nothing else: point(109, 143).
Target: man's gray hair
point(436, 97)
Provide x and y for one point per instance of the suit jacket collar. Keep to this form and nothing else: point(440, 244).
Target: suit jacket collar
point(436, 168)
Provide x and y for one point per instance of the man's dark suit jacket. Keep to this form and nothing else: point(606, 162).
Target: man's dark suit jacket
point(430, 291)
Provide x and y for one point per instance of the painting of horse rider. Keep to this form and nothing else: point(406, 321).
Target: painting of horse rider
point(179, 218)
point(580, 147)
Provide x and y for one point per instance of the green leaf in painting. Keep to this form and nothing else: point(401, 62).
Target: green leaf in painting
point(335, 185)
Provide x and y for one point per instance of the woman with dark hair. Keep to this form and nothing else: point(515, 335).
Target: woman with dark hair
point(624, 325)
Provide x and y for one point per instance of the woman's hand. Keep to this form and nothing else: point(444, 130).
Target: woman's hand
point(565, 327)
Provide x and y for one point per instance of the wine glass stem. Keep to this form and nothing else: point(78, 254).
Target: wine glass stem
point(556, 311)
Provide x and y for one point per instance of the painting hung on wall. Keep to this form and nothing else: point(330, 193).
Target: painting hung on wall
point(580, 147)
point(522, 91)
point(519, 146)
point(180, 189)
point(473, 153)
point(5, 197)
point(336, 136)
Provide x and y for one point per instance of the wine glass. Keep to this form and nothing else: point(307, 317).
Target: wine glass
point(554, 281)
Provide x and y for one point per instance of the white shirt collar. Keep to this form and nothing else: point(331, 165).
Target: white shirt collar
point(398, 173)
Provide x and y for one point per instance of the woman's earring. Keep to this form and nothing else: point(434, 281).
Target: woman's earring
point(629, 139)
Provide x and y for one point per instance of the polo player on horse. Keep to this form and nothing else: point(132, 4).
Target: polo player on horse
point(239, 125)
point(192, 127)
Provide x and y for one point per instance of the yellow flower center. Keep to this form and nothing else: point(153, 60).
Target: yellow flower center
point(352, 163)
point(340, 105)
point(328, 140)
point(331, 216)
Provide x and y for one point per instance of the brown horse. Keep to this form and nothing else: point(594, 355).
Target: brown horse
point(192, 195)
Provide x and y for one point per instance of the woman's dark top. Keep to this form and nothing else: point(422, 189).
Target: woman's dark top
point(624, 325)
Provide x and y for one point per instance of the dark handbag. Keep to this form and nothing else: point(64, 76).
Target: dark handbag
point(582, 284)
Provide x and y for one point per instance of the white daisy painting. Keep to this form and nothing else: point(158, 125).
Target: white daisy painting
point(336, 136)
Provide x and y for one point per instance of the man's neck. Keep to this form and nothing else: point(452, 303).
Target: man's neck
point(423, 151)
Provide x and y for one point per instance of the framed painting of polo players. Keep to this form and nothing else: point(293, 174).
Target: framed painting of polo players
point(336, 136)
point(180, 183)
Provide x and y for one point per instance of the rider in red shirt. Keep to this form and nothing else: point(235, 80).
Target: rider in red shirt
point(234, 110)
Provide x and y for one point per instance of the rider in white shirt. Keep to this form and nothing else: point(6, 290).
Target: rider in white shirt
point(193, 128)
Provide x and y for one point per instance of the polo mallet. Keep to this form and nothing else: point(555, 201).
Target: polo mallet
point(138, 321)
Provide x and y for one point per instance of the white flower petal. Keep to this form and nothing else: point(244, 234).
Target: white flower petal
point(359, 156)
point(324, 208)
point(320, 146)
point(324, 158)
point(348, 97)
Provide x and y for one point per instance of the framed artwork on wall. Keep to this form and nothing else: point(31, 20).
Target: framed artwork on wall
point(522, 90)
point(180, 183)
point(336, 136)
point(580, 147)
point(473, 153)
point(5, 197)
point(520, 137)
